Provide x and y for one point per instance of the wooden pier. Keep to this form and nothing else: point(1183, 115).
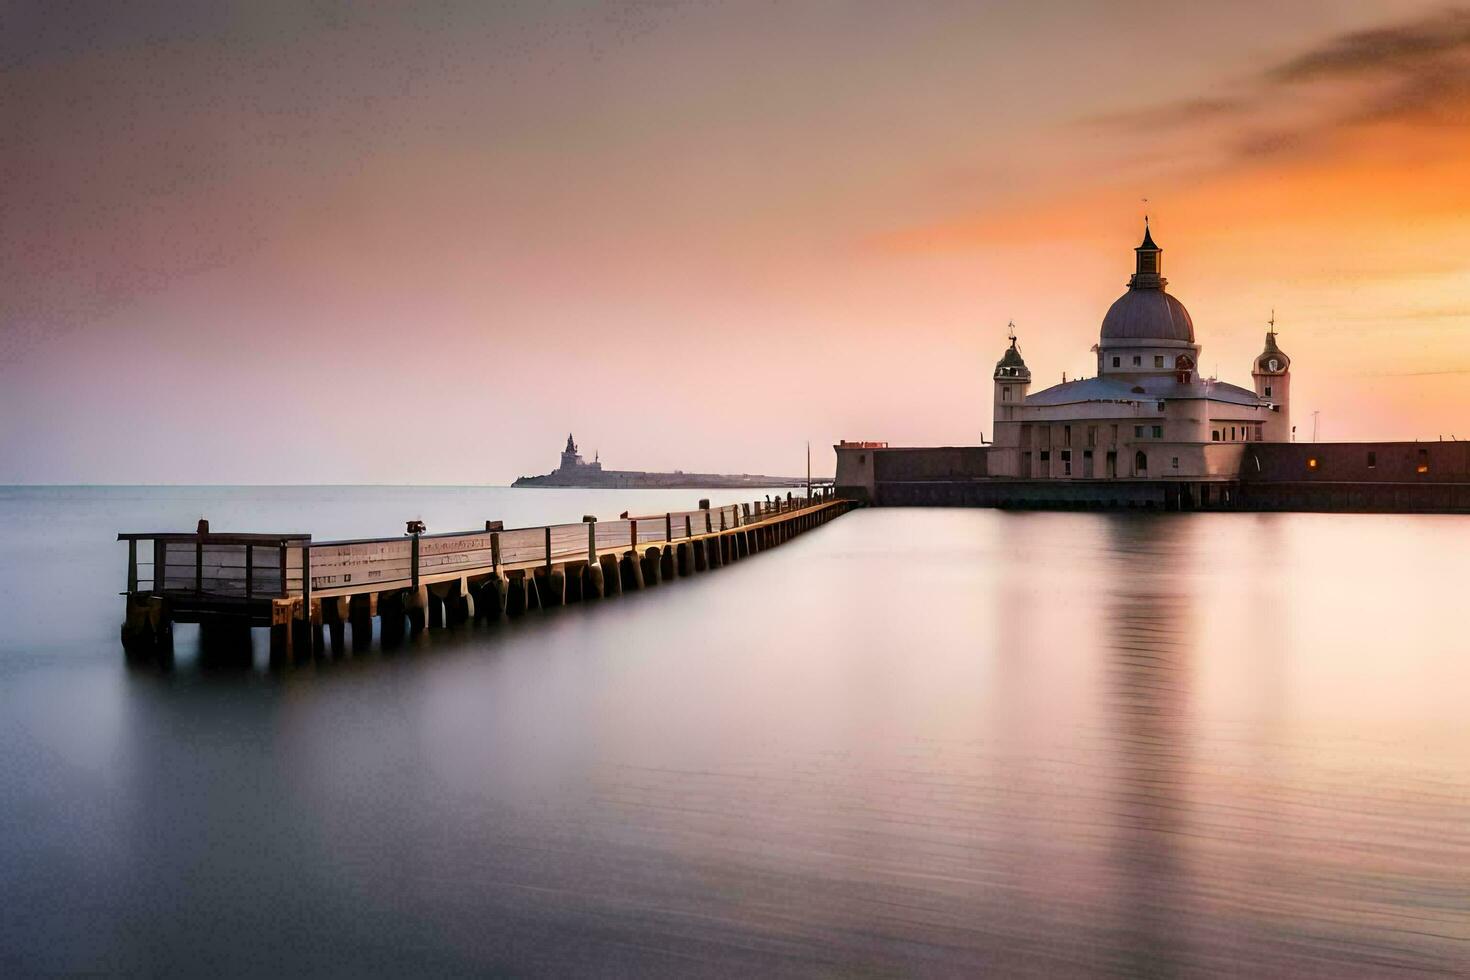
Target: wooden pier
point(309, 592)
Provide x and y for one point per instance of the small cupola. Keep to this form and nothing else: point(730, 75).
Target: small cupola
point(1273, 359)
point(1011, 366)
point(1148, 263)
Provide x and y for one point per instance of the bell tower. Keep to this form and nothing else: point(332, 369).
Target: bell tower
point(1012, 383)
point(1012, 380)
point(1272, 376)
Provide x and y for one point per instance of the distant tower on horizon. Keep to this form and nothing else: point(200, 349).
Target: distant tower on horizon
point(570, 458)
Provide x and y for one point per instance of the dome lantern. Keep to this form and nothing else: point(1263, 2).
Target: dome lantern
point(1148, 263)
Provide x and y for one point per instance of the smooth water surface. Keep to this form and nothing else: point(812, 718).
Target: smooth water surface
point(911, 741)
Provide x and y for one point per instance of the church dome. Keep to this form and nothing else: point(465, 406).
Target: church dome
point(1147, 314)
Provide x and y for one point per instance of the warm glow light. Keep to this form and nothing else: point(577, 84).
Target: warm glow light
point(1312, 463)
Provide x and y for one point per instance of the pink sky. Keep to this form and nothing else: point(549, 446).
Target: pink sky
point(258, 244)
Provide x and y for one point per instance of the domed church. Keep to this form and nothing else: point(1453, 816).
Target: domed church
point(1147, 414)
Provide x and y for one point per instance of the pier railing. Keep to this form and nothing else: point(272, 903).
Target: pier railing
point(243, 566)
point(255, 567)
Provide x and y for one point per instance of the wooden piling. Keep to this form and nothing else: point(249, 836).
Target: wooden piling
point(575, 572)
point(630, 571)
point(515, 595)
point(392, 617)
point(592, 581)
point(612, 580)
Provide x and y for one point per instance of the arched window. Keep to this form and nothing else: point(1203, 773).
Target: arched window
point(1140, 462)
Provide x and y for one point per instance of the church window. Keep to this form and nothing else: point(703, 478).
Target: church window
point(1268, 391)
point(1158, 360)
point(1214, 435)
point(1158, 432)
point(1005, 394)
point(1140, 462)
point(1232, 433)
point(1117, 361)
point(1066, 438)
point(1045, 456)
point(1138, 432)
point(1137, 360)
point(1174, 462)
point(1066, 462)
point(1423, 466)
point(862, 458)
point(1372, 460)
point(1161, 405)
point(1182, 377)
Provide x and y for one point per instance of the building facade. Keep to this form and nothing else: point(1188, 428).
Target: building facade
point(1147, 414)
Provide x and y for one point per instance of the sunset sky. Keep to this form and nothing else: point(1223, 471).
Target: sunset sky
point(332, 242)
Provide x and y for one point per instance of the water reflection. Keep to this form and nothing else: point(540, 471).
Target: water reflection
point(916, 741)
point(1150, 644)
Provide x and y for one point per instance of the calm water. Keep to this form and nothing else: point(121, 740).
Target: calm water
point(913, 741)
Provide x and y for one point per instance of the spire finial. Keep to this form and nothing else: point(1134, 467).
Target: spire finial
point(1272, 322)
point(1011, 329)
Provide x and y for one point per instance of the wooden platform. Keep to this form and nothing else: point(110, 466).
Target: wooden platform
point(295, 585)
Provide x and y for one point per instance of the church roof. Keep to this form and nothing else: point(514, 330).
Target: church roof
point(1154, 388)
point(1147, 314)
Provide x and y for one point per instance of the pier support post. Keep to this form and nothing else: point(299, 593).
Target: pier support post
point(592, 581)
point(649, 564)
point(516, 599)
point(147, 629)
point(701, 555)
point(612, 579)
point(334, 614)
point(712, 552)
point(630, 571)
point(360, 611)
point(666, 567)
point(392, 617)
point(283, 631)
point(417, 609)
point(575, 577)
point(551, 587)
point(490, 603)
point(460, 606)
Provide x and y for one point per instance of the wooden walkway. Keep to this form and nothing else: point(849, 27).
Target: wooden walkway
point(307, 592)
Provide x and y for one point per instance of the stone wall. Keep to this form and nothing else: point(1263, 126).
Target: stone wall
point(1356, 462)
